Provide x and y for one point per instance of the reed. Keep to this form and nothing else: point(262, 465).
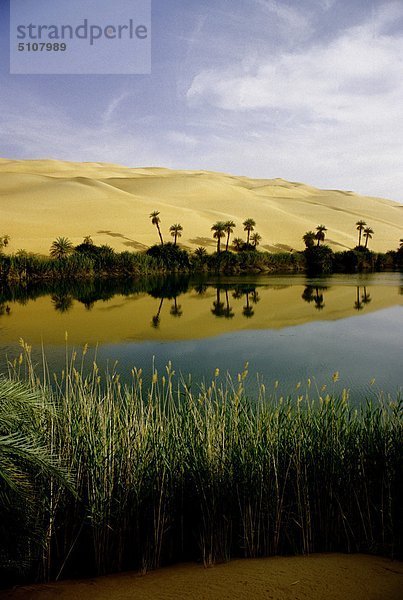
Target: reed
point(172, 471)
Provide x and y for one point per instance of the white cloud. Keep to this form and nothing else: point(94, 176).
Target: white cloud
point(329, 81)
point(331, 111)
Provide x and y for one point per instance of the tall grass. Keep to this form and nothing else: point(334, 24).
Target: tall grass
point(172, 471)
point(26, 267)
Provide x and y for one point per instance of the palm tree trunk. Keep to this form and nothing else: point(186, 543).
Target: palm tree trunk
point(218, 245)
point(176, 235)
point(159, 233)
point(359, 237)
point(247, 241)
point(226, 247)
point(366, 242)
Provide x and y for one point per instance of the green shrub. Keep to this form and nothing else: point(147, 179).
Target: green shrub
point(170, 256)
point(319, 259)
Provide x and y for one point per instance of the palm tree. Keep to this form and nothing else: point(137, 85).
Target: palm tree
point(219, 233)
point(155, 220)
point(309, 239)
point(176, 231)
point(249, 225)
point(360, 228)
point(24, 459)
point(368, 235)
point(201, 253)
point(401, 244)
point(237, 244)
point(255, 239)
point(320, 233)
point(61, 248)
point(88, 241)
point(229, 228)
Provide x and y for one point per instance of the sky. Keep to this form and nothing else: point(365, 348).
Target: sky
point(305, 90)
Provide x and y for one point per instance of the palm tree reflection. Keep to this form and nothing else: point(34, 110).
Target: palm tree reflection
point(362, 299)
point(247, 310)
point(155, 322)
point(314, 294)
point(228, 312)
point(62, 302)
point(218, 309)
point(358, 304)
point(176, 309)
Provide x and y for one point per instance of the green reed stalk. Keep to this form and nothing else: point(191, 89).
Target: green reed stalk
point(171, 471)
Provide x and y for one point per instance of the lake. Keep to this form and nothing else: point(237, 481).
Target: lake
point(287, 328)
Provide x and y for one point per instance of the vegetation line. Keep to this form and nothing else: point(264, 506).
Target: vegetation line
point(88, 261)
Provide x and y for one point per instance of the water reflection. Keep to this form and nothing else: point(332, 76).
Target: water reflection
point(62, 302)
point(265, 302)
point(5, 309)
point(176, 309)
point(289, 328)
point(155, 322)
point(315, 295)
point(366, 297)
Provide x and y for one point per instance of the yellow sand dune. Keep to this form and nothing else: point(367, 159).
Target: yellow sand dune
point(43, 199)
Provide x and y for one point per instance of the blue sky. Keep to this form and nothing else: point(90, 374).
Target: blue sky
point(307, 90)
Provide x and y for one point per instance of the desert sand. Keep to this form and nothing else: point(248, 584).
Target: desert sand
point(318, 577)
point(44, 199)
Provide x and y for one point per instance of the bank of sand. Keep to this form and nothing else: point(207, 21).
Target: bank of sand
point(44, 199)
point(318, 577)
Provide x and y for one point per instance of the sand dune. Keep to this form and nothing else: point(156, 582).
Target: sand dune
point(43, 199)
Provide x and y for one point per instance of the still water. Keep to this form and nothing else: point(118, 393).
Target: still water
point(288, 328)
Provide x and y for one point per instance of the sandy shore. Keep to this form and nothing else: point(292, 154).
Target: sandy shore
point(318, 577)
point(43, 199)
